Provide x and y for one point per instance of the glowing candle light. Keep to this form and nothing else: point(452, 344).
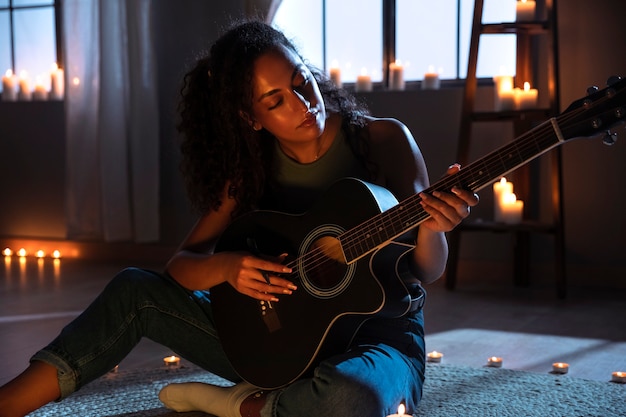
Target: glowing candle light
point(171, 360)
point(21, 253)
point(619, 377)
point(494, 362)
point(434, 356)
point(7, 252)
point(363, 81)
point(401, 412)
point(560, 368)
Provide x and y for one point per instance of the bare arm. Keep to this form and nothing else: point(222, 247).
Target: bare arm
point(196, 266)
point(403, 172)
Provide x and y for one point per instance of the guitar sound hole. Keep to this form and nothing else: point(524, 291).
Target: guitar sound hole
point(326, 268)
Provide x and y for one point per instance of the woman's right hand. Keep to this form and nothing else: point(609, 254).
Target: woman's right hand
point(255, 276)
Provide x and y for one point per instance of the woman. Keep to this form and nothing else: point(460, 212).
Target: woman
point(261, 130)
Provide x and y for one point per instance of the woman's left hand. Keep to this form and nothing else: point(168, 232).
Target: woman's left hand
point(447, 210)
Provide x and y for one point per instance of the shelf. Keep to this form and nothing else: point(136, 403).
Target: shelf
point(530, 114)
point(530, 28)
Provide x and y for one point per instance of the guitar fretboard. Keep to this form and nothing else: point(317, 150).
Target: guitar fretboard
point(361, 240)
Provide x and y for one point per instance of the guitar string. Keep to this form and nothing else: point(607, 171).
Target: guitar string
point(384, 219)
point(521, 146)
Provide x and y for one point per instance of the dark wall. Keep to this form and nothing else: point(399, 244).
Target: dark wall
point(592, 41)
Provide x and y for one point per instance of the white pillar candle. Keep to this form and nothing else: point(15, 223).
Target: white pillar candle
point(363, 81)
point(396, 76)
point(57, 83)
point(504, 98)
point(8, 86)
point(431, 79)
point(500, 188)
point(511, 209)
point(24, 93)
point(40, 93)
point(335, 74)
point(526, 98)
point(525, 11)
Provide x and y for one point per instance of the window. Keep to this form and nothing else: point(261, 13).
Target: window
point(28, 40)
point(351, 34)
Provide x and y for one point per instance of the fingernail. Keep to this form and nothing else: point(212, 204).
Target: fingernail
point(456, 190)
point(286, 291)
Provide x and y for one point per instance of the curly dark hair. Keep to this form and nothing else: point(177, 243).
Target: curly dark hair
point(218, 145)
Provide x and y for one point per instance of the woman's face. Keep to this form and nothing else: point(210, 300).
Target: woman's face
point(286, 99)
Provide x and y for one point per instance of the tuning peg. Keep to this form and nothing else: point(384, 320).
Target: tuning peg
point(592, 89)
point(609, 138)
point(614, 79)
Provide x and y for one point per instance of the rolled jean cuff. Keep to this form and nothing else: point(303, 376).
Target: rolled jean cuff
point(65, 374)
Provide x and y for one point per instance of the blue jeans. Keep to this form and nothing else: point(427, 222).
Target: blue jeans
point(383, 367)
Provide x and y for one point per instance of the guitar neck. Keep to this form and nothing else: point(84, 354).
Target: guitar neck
point(383, 228)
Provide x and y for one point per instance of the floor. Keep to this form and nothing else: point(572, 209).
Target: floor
point(529, 328)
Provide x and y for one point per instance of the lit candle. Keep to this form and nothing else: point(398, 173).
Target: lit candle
point(494, 362)
point(396, 76)
point(40, 93)
point(504, 97)
point(434, 356)
point(618, 377)
point(401, 411)
point(24, 87)
point(526, 98)
point(511, 209)
point(57, 83)
point(40, 254)
point(335, 73)
point(8, 86)
point(7, 252)
point(56, 254)
point(431, 79)
point(171, 360)
point(363, 81)
point(21, 253)
point(560, 368)
point(500, 188)
point(525, 11)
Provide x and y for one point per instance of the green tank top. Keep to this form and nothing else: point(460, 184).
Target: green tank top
point(300, 185)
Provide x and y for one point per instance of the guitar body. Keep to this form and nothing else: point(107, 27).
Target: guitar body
point(273, 344)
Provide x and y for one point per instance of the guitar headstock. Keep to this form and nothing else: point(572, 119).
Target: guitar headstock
point(597, 113)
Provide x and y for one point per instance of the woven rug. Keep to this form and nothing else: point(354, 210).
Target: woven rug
point(449, 391)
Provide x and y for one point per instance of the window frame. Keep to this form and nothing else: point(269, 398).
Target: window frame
point(56, 5)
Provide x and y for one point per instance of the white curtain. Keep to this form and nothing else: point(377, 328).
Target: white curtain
point(111, 121)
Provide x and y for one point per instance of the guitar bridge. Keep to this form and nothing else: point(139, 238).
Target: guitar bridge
point(270, 317)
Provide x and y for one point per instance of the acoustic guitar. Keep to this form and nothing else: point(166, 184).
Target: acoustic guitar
point(346, 253)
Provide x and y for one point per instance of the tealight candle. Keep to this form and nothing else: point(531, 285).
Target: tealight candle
point(434, 356)
point(494, 362)
point(401, 412)
point(171, 360)
point(618, 377)
point(560, 368)
point(363, 81)
point(525, 11)
point(7, 252)
point(500, 188)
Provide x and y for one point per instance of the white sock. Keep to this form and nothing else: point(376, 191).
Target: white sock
point(212, 399)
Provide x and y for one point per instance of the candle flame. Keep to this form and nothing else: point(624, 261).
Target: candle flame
point(401, 409)
point(526, 86)
point(7, 252)
point(40, 254)
point(9, 73)
point(56, 254)
point(21, 253)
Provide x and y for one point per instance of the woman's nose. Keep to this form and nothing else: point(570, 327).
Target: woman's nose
point(306, 104)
